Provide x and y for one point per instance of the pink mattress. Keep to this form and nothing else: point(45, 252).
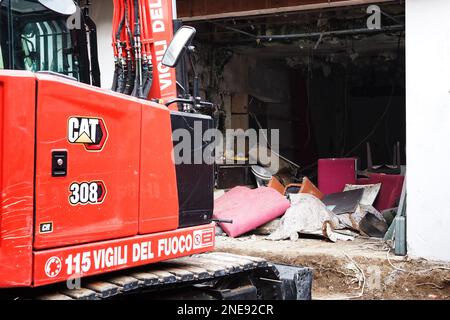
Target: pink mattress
point(248, 208)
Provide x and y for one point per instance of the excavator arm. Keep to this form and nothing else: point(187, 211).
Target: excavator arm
point(141, 33)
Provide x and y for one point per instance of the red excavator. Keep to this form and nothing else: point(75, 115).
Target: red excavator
point(89, 187)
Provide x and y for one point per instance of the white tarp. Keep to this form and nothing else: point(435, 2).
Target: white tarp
point(308, 215)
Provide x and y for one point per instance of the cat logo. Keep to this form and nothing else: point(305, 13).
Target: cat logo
point(90, 132)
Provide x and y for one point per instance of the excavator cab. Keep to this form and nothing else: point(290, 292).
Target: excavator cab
point(45, 35)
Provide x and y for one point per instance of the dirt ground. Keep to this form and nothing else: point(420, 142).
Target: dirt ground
point(359, 269)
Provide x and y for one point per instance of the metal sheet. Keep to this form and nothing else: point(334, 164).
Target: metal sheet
point(343, 202)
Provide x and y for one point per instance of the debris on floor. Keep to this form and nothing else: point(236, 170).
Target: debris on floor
point(353, 220)
point(308, 215)
point(343, 206)
point(268, 228)
point(373, 226)
point(370, 192)
point(343, 202)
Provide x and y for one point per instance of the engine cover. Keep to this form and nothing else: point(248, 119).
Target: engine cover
point(195, 173)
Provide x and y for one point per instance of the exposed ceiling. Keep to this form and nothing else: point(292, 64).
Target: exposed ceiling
point(296, 33)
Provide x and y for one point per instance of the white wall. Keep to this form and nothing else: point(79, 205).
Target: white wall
point(428, 128)
point(101, 13)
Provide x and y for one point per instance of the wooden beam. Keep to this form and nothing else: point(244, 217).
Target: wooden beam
point(304, 7)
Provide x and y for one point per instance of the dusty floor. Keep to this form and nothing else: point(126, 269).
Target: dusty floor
point(359, 269)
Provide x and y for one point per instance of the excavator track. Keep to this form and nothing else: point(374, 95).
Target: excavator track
point(215, 275)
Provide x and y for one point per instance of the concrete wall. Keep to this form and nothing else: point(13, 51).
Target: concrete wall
point(428, 128)
point(101, 13)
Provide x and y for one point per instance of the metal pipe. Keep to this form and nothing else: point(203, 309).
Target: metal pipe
point(137, 90)
point(391, 17)
point(174, 9)
point(330, 33)
point(234, 29)
point(11, 39)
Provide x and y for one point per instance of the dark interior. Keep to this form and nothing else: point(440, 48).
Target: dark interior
point(322, 77)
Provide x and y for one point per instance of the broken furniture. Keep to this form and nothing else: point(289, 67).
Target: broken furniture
point(275, 184)
point(292, 188)
point(248, 208)
point(390, 191)
point(305, 187)
point(373, 226)
point(262, 175)
point(232, 175)
point(335, 173)
point(395, 168)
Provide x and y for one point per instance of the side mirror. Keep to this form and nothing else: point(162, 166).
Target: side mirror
point(179, 42)
point(66, 7)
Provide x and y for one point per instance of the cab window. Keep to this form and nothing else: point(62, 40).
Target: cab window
point(35, 39)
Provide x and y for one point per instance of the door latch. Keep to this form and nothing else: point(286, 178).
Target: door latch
point(59, 163)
